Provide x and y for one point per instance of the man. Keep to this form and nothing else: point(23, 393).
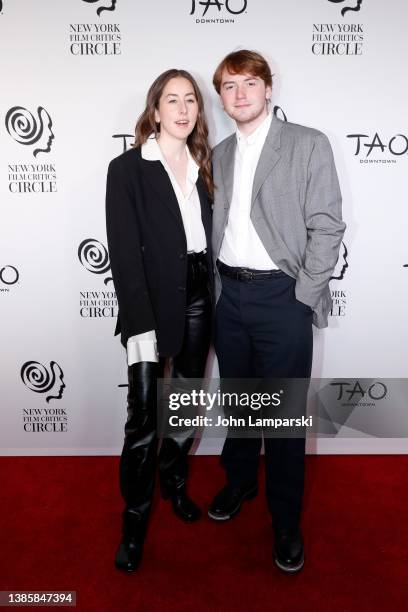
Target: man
point(277, 230)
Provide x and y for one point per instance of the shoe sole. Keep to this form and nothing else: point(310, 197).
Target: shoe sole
point(187, 520)
point(290, 569)
point(226, 517)
point(126, 570)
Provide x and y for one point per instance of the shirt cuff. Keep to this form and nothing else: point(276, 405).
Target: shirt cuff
point(142, 347)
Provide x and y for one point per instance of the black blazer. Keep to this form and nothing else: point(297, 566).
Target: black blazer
point(148, 248)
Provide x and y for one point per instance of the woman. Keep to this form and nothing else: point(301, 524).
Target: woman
point(158, 212)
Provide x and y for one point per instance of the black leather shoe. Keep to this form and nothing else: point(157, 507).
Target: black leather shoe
point(129, 555)
point(288, 550)
point(185, 508)
point(227, 503)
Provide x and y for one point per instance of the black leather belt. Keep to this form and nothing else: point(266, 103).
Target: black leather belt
point(246, 274)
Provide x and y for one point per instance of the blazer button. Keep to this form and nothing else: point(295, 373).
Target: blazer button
point(182, 256)
point(181, 288)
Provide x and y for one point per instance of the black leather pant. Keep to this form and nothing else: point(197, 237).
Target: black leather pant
point(138, 460)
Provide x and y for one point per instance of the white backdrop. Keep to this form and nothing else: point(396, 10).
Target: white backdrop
point(82, 73)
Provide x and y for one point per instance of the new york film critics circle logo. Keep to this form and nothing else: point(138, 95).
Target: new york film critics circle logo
point(48, 381)
point(279, 113)
point(214, 11)
point(102, 6)
point(339, 38)
point(339, 296)
point(379, 149)
point(28, 129)
point(34, 131)
point(345, 9)
point(92, 39)
point(9, 276)
point(96, 303)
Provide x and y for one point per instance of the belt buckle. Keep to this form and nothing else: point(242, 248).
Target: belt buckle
point(246, 274)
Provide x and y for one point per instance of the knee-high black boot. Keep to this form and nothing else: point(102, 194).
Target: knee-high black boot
point(138, 462)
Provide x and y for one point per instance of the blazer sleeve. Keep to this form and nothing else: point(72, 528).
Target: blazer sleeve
point(125, 251)
point(323, 219)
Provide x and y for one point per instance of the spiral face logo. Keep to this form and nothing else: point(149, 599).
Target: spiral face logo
point(94, 257)
point(348, 8)
point(277, 110)
point(26, 129)
point(99, 10)
point(40, 379)
point(341, 265)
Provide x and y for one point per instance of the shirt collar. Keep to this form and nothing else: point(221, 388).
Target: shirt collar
point(258, 136)
point(152, 152)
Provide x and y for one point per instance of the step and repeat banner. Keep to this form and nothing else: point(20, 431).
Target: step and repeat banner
point(74, 75)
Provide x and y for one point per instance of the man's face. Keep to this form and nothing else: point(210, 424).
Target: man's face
point(244, 98)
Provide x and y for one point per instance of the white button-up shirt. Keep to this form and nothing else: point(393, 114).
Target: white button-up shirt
point(190, 207)
point(143, 347)
point(241, 246)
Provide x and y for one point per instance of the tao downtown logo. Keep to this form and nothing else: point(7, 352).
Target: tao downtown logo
point(355, 391)
point(26, 129)
point(236, 7)
point(100, 9)
point(9, 275)
point(397, 146)
point(345, 9)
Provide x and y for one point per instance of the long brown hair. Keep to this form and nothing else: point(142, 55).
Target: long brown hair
point(198, 139)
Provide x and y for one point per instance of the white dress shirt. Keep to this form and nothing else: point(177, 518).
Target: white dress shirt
point(143, 347)
point(241, 246)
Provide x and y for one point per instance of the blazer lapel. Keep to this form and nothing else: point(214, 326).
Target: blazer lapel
point(205, 208)
point(269, 156)
point(160, 182)
point(206, 217)
point(227, 169)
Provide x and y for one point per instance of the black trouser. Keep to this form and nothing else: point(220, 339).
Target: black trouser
point(262, 331)
point(138, 460)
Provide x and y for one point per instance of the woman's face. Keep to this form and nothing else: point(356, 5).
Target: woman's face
point(178, 109)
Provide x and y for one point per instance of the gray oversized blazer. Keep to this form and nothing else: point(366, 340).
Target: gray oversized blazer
point(296, 208)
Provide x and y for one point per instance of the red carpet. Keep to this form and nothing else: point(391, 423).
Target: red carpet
point(60, 520)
